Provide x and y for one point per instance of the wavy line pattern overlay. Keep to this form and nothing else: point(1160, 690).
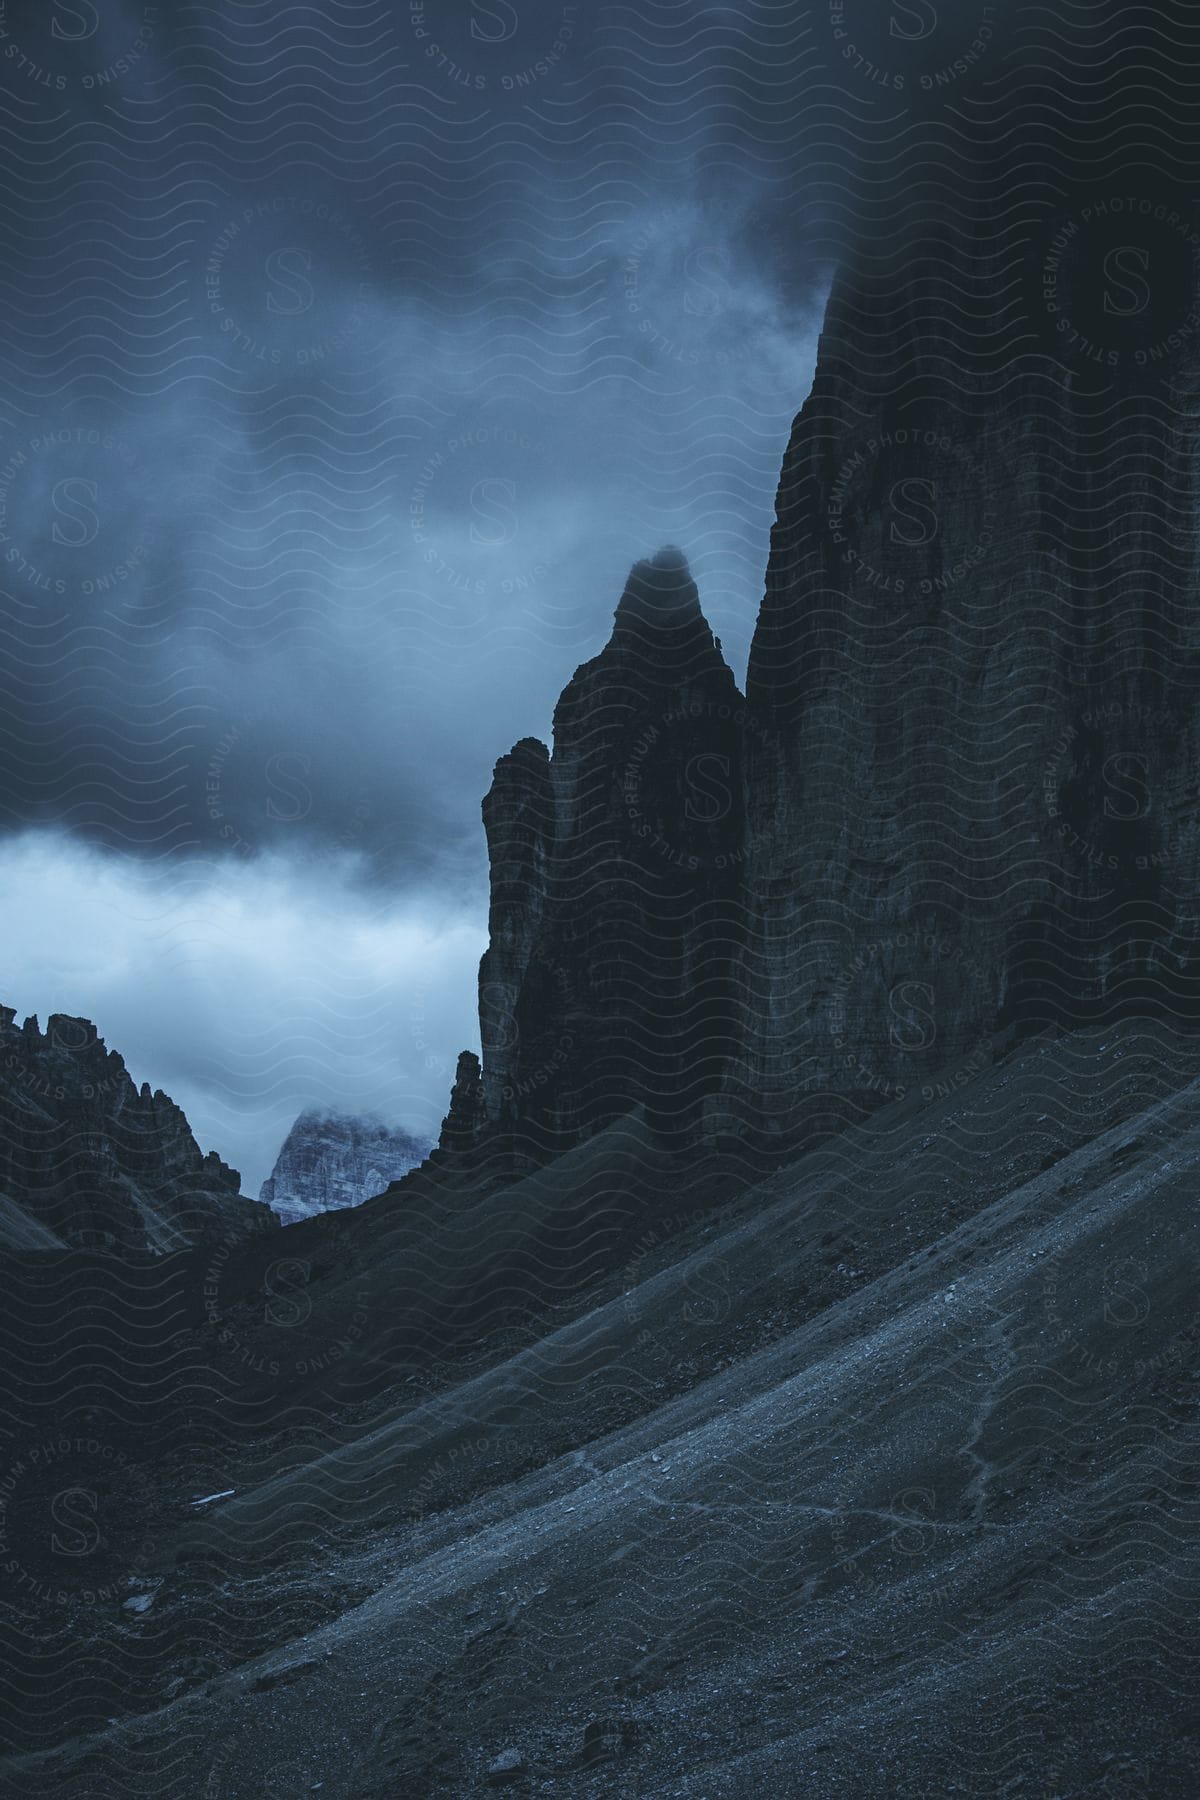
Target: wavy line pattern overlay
point(783, 1374)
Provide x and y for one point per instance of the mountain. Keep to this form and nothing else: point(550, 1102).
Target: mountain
point(919, 1518)
point(950, 803)
point(785, 1375)
point(89, 1161)
point(962, 790)
point(615, 886)
point(975, 798)
point(331, 1160)
point(604, 1463)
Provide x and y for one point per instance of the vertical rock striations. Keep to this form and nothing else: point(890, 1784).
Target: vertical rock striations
point(976, 800)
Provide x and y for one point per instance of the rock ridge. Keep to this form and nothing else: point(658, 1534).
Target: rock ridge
point(98, 1163)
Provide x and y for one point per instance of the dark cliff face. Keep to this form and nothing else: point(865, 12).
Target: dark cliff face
point(88, 1160)
point(962, 792)
point(977, 654)
point(616, 908)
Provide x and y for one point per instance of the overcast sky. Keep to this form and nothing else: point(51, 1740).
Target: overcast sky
point(355, 352)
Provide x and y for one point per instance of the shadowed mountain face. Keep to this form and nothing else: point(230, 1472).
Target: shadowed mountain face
point(332, 1160)
point(978, 657)
point(616, 867)
point(975, 797)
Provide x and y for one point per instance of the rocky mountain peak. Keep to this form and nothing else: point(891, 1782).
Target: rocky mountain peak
point(331, 1160)
point(661, 648)
point(98, 1163)
point(615, 887)
point(659, 596)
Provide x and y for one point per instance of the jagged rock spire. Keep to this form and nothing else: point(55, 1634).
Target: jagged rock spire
point(616, 901)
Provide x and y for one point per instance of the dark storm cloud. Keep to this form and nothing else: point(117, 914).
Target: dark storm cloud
point(365, 419)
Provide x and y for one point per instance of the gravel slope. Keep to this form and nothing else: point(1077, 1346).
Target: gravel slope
point(881, 1478)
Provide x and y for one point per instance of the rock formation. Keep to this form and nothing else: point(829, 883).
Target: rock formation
point(331, 1160)
point(464, 1127)
point(89, 1161)
point(976, 799)
point(961, 794)
point(616, 902)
